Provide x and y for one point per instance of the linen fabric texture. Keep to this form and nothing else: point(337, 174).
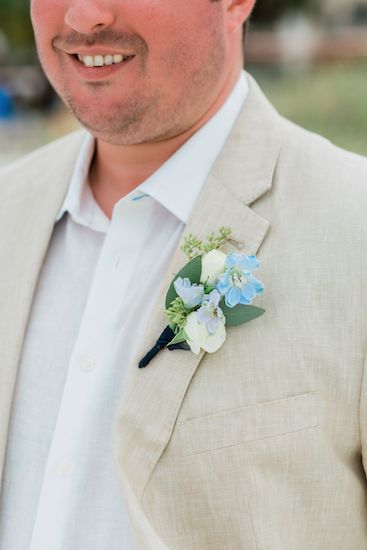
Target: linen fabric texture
point(95, 292)
point(261, 445)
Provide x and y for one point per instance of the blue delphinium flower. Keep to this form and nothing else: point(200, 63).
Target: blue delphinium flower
point(191, 294)
point(210, 314)
point(238, 285)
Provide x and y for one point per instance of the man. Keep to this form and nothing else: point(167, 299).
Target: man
point(261, 445)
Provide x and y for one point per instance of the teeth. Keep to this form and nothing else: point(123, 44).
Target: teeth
point(88, 60)
point(101, 60)
point(98, 61)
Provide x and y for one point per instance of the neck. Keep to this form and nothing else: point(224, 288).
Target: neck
point(117, 170)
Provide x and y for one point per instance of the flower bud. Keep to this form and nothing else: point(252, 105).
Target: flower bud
point(213, 265)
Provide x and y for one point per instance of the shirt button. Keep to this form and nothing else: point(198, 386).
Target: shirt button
point(60, 470)
point(88, 365)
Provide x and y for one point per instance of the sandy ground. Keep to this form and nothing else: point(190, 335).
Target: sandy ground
point(26, 133)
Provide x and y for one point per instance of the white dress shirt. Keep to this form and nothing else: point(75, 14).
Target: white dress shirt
point(96, 290)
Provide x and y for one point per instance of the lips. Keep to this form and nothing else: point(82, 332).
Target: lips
point(99, 66)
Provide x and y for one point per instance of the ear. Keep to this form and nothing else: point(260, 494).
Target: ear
point(238, 11)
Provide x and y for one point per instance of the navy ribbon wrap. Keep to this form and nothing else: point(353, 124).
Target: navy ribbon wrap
point(165, 338)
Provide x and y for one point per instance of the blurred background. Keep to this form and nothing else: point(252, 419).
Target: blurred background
point(309, 56)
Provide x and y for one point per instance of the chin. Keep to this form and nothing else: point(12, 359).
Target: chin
point(108, 121)
point(126, 127)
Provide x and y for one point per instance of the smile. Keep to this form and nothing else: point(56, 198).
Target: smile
point(102, 60)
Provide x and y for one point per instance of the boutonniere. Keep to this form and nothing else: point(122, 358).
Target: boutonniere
point(211, 293)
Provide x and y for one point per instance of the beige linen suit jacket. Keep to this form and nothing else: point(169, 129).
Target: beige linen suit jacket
point(262, 445)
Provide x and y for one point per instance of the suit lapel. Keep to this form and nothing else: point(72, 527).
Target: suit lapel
point(31, 195)
point(152, 396)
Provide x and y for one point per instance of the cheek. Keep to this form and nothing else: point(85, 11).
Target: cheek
point(173, 20)
point(47, 19)
point(188, 34)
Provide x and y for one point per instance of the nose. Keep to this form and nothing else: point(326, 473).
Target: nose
point(86, 16)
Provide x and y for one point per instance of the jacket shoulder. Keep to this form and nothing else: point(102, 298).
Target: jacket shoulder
point(23, 175)
point(320, 188)
point(314, 160)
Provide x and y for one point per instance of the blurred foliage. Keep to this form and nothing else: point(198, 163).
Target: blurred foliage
point(329, 100)
point(16, 24)
point(266, 11)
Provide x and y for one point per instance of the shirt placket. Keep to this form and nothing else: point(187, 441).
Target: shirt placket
point(91, 367)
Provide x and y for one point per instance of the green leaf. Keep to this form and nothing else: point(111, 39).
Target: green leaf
point(240, 314)
point(192, 271)
point(180, 337)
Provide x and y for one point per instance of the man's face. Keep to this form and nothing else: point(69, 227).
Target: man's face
point(176, 59)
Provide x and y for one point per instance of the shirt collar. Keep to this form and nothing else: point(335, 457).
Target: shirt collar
point(79, 201)
point(176, 184)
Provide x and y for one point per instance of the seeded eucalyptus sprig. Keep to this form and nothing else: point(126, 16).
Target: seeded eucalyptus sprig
point(215, 242)
point(177, 314)
point(193, 247)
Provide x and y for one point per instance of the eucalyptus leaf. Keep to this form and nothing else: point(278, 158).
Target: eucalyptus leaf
point(180, 337)
point(192, 271)
point(240, 314)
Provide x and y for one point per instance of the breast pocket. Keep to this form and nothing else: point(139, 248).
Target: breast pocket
point(248, 424)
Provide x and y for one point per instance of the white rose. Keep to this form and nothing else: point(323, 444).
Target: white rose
point(198, 336)
point(213, 265)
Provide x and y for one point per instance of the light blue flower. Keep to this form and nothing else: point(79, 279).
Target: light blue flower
point(210, 314)
point(191, 294)
point(238, 284)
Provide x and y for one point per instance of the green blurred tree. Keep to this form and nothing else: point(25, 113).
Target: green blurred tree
point(15, 23)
